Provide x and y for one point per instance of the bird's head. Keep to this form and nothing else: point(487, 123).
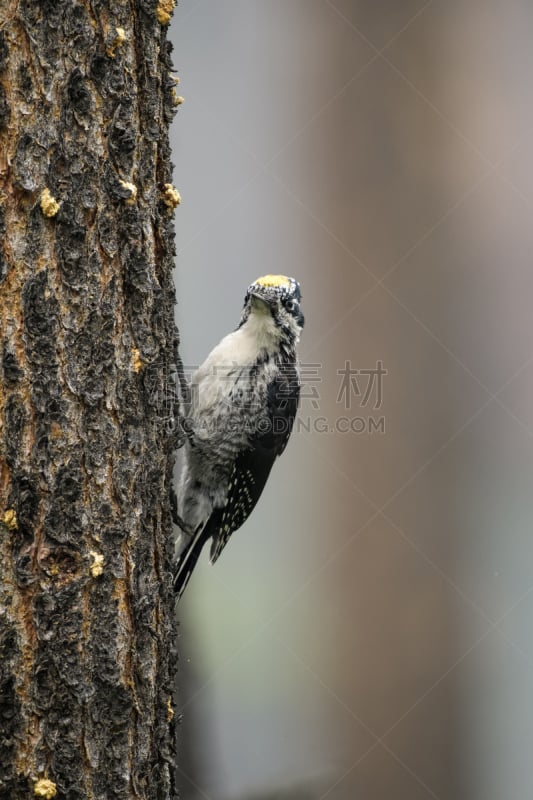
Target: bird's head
point(277, 299)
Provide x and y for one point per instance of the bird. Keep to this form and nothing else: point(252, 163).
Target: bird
point(240, 413)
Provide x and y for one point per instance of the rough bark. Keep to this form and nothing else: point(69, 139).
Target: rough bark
point(88, 349)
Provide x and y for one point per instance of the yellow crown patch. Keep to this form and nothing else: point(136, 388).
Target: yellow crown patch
point(274, 282)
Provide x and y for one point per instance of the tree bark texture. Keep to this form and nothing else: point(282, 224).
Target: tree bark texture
point(88, 351)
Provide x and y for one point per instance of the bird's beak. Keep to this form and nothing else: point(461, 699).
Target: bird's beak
point(260, 302)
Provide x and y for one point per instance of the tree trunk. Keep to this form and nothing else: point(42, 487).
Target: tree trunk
point(88, 352)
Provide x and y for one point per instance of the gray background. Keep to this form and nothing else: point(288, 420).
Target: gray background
point(367, 634)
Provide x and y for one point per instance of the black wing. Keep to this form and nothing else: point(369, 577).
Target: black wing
point(252, 466)
point(249, 475)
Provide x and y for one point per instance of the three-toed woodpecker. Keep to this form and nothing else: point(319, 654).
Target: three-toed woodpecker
point(240, 414)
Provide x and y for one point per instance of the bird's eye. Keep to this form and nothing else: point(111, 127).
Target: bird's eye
point(292, 305)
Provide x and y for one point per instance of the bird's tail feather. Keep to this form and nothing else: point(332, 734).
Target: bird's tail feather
point(187, 561)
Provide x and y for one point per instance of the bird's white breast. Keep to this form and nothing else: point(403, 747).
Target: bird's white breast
point(238, 350)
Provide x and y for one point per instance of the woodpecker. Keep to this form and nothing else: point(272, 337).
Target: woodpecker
point(239, 417)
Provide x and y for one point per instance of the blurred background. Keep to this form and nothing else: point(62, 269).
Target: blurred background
point(368, 634)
